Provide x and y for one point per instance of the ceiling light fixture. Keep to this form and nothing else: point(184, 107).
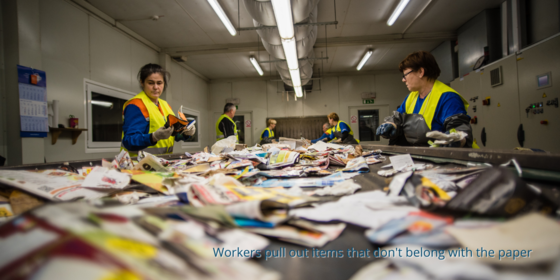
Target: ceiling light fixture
point(284, 21)
point(296, 79)
point(223, 17)
point(299, 92)
point(397, 12)
point(364, 59)
point(290, 52)
point(256, 65)
point(283, 14)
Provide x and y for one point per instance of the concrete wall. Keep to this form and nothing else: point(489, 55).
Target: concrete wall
point(71, 45)
point(188, 90)
point(509, 100)
point(340, 94)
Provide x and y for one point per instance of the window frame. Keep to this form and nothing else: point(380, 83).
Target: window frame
point(196, 113)
point(89, 86)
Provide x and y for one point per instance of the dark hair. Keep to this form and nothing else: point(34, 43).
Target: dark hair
point(150, 69)
point(421, 59)
point(228, 107)
point(333, 116)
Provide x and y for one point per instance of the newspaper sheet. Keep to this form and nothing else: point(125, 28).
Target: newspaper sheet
point(50, 184)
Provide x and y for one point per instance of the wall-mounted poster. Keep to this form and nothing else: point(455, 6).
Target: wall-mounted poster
point(33, 110)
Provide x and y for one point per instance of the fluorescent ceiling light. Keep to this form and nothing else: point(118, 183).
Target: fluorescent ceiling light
point(397, 12)
point(223, 17)
point(299, 92)
point(283, 14)
point(296, 79)
point(105, 104)
point(364, 59)
point(256, 64)
point(290, 52)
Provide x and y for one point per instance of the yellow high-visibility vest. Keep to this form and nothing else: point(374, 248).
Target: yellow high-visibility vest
point(156, 120)
point(270, 133)
point(428, 109)
point(337, 129)
point(220, 134)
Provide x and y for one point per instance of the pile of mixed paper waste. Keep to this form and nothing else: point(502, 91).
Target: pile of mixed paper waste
point(164, 219)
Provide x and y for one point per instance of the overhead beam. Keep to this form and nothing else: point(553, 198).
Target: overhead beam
point(320, 43)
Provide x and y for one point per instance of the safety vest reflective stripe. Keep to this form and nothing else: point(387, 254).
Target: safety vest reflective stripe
point(220, 134)
point(428, 109)
point(156, 120)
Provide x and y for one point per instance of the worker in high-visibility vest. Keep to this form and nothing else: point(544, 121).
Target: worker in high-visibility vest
point(326, 132)
point(225, 126)
point(430, 106)
point(341, 131)
point(267, 136)
point(145, 115)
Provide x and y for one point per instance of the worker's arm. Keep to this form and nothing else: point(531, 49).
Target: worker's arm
point(136, 129)
point(323, 137)
point(451, 114)
point(391, 128)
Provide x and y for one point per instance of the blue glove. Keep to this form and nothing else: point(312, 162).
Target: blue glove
point(386, 130)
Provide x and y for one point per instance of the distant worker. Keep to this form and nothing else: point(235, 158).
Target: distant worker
point(145, 116)
point(326, 132)
point(430, 106)
point(225, 126)
point(267, 136)
point(341, 130)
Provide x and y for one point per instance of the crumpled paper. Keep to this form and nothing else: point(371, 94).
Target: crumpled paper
point(342, 188)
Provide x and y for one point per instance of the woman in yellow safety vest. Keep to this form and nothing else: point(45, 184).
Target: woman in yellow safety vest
point(268, 134)
point(341, 130)
point(431, 106)
point(145, 116)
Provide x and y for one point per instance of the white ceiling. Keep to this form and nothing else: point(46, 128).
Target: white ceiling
point(191, 28)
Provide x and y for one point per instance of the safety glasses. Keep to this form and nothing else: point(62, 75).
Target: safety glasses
point(404, 76)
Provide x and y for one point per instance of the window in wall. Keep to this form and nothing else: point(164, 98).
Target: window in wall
point(104, 108)
point(240, 123)
point(368, 123)
point(191, 115)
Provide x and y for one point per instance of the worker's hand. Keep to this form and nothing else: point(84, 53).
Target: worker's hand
point(386, 130)
point(337, 141)
point(189, 132)
point(162, 133)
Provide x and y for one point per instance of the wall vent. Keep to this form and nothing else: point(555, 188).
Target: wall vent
point(496, 77)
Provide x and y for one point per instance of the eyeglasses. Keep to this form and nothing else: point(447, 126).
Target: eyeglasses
point(404, 76)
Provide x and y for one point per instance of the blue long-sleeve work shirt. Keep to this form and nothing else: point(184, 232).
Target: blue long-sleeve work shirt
point(323, 137)
point(449, 104)
point(136, 129)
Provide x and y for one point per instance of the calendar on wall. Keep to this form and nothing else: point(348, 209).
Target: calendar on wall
point(33, 108)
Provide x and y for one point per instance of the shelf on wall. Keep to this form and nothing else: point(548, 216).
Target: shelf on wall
point(55, 131)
